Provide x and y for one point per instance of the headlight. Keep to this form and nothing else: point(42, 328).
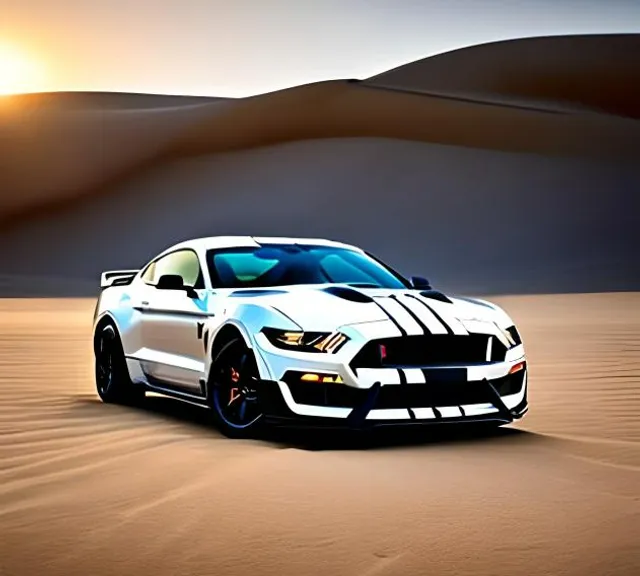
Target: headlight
point(328, 342)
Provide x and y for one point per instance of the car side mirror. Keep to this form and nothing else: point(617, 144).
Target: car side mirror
point(170, 282)
point(175, 282)
point(420, 283)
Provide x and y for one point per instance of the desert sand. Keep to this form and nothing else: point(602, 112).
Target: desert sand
point(509, 168)
point(89, 488)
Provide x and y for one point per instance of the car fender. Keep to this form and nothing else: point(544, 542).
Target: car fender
point(248, 319)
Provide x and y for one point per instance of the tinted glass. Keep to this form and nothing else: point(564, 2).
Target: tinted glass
point(183, 263)
point(282, 265)
point(150, 273)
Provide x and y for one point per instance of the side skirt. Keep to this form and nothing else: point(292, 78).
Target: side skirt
point(166, 389)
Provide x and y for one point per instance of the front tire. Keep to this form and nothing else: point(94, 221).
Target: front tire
point(234, 390)
point(113, 383)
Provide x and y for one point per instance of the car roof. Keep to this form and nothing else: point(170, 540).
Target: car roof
point(215, 242)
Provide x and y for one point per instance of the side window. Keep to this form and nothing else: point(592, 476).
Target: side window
point(148, 276)
point(184, 263)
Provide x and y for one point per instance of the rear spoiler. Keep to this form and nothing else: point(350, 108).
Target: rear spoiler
point(117, 278)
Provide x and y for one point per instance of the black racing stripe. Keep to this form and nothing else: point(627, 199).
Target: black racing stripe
point(420, 323)
point(402, 330)
point(403, 382)
point(462, 410)
point(425, 372)
point(402, 375)
point(438, 317)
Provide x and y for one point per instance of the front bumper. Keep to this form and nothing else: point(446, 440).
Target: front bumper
point(444, 401)
point(384, 396)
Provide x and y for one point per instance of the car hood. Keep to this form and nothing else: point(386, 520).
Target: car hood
point(328, 307)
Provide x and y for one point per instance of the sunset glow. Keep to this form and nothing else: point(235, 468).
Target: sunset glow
point(18, 71)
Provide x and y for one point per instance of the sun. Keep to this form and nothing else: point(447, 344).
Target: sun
point(19, 73)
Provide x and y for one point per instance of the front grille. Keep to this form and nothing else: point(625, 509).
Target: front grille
point(427, 350)
point(434, 393)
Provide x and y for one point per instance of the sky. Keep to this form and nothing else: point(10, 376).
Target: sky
point(241, 47)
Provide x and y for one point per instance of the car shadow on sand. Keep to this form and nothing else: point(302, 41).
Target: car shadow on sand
point(200, 420)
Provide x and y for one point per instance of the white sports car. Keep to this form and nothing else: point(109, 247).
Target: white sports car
point(303, 331)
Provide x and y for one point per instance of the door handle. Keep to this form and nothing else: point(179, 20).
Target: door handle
point(144, 303)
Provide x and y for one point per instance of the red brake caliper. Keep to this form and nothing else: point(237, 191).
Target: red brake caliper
point(234, 394)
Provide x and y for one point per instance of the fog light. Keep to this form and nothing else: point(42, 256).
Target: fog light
point(321, 378)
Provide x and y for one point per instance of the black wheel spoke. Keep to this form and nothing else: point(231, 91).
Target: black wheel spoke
point(234, 388)
point(104, 364)
point(242, 410)
point(112, 376)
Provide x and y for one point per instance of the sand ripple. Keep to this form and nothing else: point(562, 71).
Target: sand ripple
point(87, 488)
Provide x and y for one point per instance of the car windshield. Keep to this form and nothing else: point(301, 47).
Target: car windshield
point(288, 264)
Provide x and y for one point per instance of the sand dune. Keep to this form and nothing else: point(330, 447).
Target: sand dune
point(50, 154)
point(118, 135)
point(505, 195)
point(87, 488)
point(42, 145)
point(74, 101)
point(595, 71)
point(473, 221)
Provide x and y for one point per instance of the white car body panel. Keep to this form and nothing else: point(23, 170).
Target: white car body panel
point(164, 332)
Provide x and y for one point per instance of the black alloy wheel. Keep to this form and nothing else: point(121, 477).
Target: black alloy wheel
point(113, 383)
point(234, 390)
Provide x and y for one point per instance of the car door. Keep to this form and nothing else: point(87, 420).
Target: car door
point(172, 323)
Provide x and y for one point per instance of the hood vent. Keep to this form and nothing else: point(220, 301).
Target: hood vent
point(348, 294)
point(256, 292)
point(435, 295)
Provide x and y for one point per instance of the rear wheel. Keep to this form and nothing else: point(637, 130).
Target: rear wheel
point(112, 377)
point(234, 390)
